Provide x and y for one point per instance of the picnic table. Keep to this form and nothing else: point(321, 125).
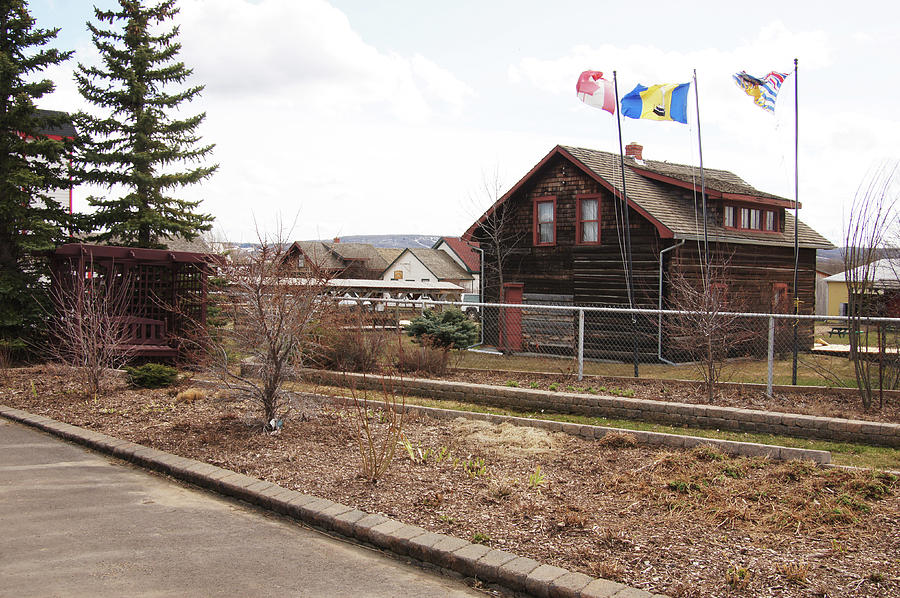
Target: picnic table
point(840, 331)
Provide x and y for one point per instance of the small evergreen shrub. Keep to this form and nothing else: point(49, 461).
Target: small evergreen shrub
point(152, 375)
point(449, 329)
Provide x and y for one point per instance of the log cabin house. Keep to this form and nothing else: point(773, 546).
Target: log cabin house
point(562, 245)
point(339, 260)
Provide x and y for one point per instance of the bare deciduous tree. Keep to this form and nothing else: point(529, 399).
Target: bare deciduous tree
point(703, 327)
point(872, 223)
point(496, 231)
point(89, 325)
point(275, 317)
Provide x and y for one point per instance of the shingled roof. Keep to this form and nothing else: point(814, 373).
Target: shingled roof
point(465, 252)
point(658, 191)
point(64, 129)
point(438, 263)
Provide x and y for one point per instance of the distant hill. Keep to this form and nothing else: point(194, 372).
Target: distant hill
point(395, 241)
point(831, 261)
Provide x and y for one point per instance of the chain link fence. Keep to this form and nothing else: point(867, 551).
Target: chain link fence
point(665, 344)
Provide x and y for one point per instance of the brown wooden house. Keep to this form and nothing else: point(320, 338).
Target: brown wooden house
point(340, 260)
point(564, 235)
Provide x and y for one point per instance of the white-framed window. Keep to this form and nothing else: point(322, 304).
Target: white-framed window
point(588, 220)
point(729, 215)
point(545, 222)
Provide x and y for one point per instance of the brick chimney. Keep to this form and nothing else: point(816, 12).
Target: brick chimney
point(634, 150)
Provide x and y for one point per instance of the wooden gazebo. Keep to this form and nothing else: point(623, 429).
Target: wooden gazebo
point(167, 295)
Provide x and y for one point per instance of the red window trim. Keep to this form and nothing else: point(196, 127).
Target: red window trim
point(536, 230)
point(776, 224)
point(579, 221)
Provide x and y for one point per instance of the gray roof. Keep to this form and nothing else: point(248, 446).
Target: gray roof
point(883, 273)
point(359, 251)
point(388, 254)
point(674, 208)
point(441, 264)
point(317, 253)
point(438, 263)
point(63, 127)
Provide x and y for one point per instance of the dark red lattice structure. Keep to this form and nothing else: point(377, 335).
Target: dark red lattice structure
point(168, 289)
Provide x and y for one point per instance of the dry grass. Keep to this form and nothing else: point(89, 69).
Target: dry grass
point(734, 492)
point(618, 440)
point(189, 395)
point(796, 573)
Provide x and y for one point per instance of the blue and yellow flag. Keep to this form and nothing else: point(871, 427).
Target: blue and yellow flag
point(657, 102)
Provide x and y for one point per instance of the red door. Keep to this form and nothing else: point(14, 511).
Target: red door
point(511, 318)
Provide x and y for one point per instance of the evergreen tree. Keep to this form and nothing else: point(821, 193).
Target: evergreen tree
point(31, 165)
point(137, 144)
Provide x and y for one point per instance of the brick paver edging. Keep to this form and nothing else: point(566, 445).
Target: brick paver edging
point(662, 412)
point(516, 573)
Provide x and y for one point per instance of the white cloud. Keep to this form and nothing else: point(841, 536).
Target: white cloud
point(304, 55)
point(308, 118)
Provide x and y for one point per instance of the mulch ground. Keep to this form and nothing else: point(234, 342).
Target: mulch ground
point(834, 403)
point(686, 523)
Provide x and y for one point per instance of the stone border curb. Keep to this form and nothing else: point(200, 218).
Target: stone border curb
point(663, 412)
point(518, 574)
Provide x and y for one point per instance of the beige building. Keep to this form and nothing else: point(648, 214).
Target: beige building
point(885, 275)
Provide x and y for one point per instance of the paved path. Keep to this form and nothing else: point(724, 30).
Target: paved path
point(74, 523)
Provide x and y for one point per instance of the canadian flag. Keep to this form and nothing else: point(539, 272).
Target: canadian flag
point(596, 91)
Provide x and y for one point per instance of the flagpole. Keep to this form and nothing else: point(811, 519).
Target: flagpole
point(629, 282)
point(706, 277)
point(796, 222)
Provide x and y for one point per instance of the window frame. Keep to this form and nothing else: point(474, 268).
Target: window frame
point(579, 221)
point(738, 224)
point(536, 225)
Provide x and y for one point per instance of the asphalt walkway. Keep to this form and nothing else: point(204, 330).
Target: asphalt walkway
point(75, 523)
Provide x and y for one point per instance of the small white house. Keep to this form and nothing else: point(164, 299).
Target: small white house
point(428, 265)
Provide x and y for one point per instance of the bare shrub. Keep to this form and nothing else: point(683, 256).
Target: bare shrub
point(349, 345)
point(702, 327)
point(275, 319)
point(378, 425)
point(89, 328)
point(426, 358)
point(871, 225)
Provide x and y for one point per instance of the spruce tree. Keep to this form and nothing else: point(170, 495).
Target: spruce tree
point(137, 144)
point(31, 165)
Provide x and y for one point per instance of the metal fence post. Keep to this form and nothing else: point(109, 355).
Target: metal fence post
point(771, 356)
point(580, 344)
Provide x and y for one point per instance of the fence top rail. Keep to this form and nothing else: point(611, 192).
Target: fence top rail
point(623, 310)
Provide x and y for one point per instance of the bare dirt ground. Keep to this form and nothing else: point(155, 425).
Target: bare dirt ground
point(836, 403)
point(686, 523)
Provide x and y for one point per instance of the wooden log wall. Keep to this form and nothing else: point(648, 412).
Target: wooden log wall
point(594, 275)
point(548, 331)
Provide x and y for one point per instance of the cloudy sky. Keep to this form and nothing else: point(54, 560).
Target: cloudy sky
point(375, 117)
